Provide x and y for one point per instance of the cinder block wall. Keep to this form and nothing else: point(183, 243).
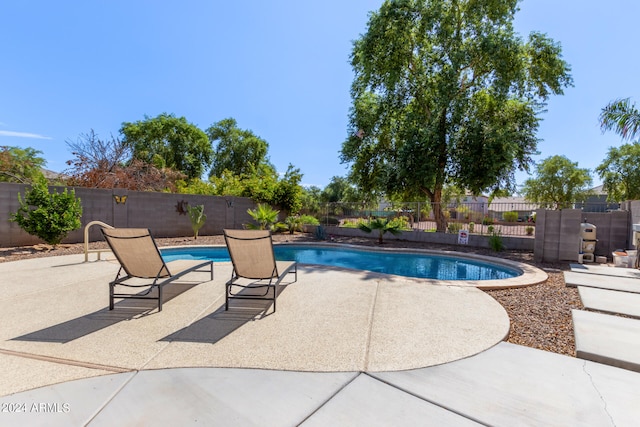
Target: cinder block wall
point(475, 240)
point(163, 213)
point(558, 233)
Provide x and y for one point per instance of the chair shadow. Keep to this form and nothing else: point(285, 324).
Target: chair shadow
point(221, 323)
point(126, 309)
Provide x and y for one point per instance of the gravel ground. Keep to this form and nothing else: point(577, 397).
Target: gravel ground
point(540, 315)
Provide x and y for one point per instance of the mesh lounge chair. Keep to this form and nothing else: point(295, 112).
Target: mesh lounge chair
point(252, 256)
point(140, 258)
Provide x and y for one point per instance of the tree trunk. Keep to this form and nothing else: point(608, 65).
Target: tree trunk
point(438, 213)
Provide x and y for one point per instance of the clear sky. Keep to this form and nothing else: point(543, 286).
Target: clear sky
point(279, 67)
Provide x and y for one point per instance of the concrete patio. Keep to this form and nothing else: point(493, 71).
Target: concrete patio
point(344, 348)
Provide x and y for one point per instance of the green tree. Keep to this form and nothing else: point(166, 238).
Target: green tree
point(445, 92)
point(169, 141)
point(237, 150)
point(620, 172)
point(288, 191)
point(20, 164)
point(558, 184)
point(49, 216)
point(622, 117)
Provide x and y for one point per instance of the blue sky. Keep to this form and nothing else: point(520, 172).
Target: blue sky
point(279, 67)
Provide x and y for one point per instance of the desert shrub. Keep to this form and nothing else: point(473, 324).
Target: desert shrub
point(49, 216)
point(294, 223)
point(309, 220)
point(454, 227)
point(487, 220)
point(197, 217)
point(495, 241)
point(510, 216)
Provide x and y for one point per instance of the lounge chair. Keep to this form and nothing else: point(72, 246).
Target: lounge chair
point(140, 258)
point(253, 258)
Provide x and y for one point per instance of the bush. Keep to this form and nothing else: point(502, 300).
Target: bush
point(454, 227)
point(294, 223)
point(529, 230)
point(471, 226)
point(495, 241)
point(265, 217)
point(49, 216)
point(510, 216)
point(309, 220)
point(487, 220)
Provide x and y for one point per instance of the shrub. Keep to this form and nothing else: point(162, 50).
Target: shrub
point(294, 223)
point(529, 230)
point(490, 229)
point(487, 220)
point(471, 226)
point(264, 215)
point(510, 216)
point(197, 217)
point(454, 227)
point(309, 220)
point(49, 216)
point(495, 241)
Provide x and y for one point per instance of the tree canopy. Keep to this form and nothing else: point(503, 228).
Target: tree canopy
point(622, 117)
point(237, 150)
point(107, 163)
point(20, 164)
point(445, 92)
point(558, 184)
point(620, 172)
point(169, 141)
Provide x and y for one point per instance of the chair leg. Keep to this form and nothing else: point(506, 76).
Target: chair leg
point(159, 298)
point(226, 298)
point(111, 286)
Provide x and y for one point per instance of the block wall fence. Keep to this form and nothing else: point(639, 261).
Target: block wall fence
point(557, 234)
point(163, 213)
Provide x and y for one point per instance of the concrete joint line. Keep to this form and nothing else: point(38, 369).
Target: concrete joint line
point(446, 408)
point(61, 361)
point(370, 329)
point(113, 395)
point(330, 398)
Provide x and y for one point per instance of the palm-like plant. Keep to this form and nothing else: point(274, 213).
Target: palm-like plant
point(264, 215)
point(622, 117)
point(382, 225)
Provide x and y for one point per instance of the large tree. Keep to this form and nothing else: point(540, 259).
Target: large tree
point(107, 163)
point(237, 150)
point(620, 172)
point(558, 184)
point(445, 92)
point(20, 164)
point(622, 117)
point(169, 141)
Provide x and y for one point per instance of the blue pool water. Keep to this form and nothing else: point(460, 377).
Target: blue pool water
point(426, 266)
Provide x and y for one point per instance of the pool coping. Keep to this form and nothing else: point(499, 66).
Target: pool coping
point(530, 276)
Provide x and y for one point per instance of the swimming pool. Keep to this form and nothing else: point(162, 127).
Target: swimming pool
point(409, 264)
